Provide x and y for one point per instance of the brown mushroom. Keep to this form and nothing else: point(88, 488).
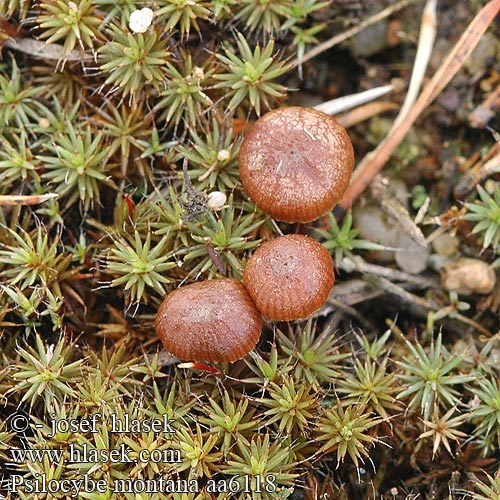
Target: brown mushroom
point(211, 321)
point(289, 277)
point(295, 163)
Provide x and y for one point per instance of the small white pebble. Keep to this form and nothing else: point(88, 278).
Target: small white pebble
point(44, 123)
point(216, 200)
point(140, 20)
point(223, 155)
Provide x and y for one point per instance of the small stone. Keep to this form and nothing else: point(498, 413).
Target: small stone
point(223, 155)
point(216, 200)
point(446, 245)
point(371, 40)
point(467, 276)
point(375, 226)
point(44, 123)
point(140, 20)
point(411, 257)
point(486, 50)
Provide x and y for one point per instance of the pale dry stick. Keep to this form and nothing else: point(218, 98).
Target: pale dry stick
point(419, 307)
point(373, 162)
point(347, 102)
point(476, 175)
point(379, 186)
point(422, 57)
point(342, 37)
point(365, 112)
point(354, 291)
point(35, 199)
point(359, 265)
point(208, 173)
point(44, 50)
point(470, 170)
point(392, 206)
point(483, 113)
point(409, 302)
point(490, 167)
point(422, 211)
point(333, 304)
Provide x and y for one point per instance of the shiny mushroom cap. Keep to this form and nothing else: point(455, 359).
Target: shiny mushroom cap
point(295, 163)
point(289, 277)
point(212, 321)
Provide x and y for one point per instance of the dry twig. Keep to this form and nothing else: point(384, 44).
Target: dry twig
point(374, 162)
point(342, 37)
point(33, 199)
point(344, 103)
point(43, 50)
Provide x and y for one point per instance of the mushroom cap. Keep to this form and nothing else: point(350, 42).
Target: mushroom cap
point(289, 277)
point(213, 321)
point(295, 163)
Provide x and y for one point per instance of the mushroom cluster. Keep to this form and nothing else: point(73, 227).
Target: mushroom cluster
point(295, 164)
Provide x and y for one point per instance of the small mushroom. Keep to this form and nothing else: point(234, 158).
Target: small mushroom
point(289, 277)
point(212, 321)
point(295, 163)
